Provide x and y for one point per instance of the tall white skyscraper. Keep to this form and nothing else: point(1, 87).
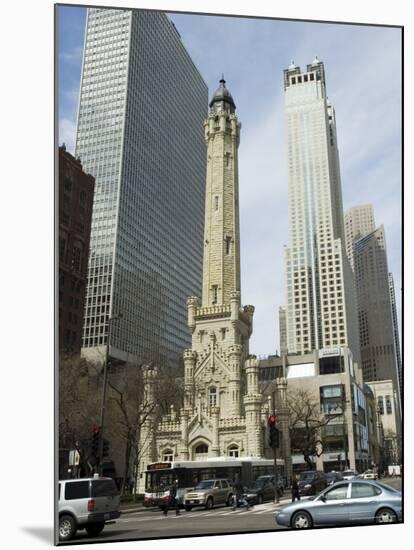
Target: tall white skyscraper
point(140, 134)
point(320, 296)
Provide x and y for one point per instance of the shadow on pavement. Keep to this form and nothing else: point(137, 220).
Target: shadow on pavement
point(43, 533)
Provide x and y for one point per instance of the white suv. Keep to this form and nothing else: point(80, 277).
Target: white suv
point(86, 503)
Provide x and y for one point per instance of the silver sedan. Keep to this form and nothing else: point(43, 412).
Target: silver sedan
point(346, 502)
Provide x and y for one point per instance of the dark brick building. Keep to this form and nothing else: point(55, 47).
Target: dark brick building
point(75, 212)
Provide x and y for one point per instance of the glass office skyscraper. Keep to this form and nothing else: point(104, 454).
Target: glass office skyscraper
point(320, 295)
point(140, 134)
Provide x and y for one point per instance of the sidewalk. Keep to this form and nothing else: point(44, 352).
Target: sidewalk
point(131, 507)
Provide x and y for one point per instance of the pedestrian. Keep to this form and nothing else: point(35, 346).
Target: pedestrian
point(295, 489)
point(238, 496)
point(174, 497)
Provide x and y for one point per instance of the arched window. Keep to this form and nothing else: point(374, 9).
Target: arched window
point(212, 398)
point(201, 449)
point(233, 450)
point(168, 455)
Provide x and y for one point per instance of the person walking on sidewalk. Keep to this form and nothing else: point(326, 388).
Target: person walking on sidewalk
point(295, 489)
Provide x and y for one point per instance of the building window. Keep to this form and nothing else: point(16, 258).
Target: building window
point(168, 455)
point(233, 451)
point(201, 449)
point(214, 292)
point(216, 202)
point(76, 258)
point(388, 404)
point(212, 397)
point(381, 404)
point(228, 245)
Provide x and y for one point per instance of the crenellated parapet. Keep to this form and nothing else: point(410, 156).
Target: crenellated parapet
point(232, 423)
point(168, 426)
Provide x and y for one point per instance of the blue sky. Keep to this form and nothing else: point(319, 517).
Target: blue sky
point(363, 72)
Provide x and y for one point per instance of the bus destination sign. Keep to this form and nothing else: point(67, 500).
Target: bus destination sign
point(159, 465)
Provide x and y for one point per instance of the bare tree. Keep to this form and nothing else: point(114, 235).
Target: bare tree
point(306, 422)
point(78, 405)
point(130, 408)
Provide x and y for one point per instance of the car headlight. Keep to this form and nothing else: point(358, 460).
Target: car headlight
point(308, 486)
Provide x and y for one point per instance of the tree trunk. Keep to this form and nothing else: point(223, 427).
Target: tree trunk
point(126, 463)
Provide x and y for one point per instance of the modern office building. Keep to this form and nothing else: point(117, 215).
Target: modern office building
point(320, 295)
point(359, 221)
point(329, 381)
point(396, 331)
point(140, 133)
point(75, 191)
point(375, 312)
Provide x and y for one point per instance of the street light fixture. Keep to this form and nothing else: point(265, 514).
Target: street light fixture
point(104, 387)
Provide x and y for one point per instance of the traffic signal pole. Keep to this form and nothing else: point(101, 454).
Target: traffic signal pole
point(273, 442)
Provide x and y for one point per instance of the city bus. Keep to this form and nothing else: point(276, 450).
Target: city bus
point(159, 476)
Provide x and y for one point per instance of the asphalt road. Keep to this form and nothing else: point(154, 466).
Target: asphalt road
point(152, 523)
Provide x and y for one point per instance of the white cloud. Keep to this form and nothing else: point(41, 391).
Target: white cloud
point(67, 134)
point(72, 56)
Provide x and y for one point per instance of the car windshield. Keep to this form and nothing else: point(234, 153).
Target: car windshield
point(349, 473)
point(305, 476)
point(204, 485)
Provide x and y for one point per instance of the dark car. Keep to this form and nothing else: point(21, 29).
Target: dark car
point(263, 489)
point(312, 482)
point(333, 477)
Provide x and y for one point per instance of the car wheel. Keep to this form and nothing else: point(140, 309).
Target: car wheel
point(229, 501)
point(209, 503)
point(67, 527)
point(93, 529)
point(385, 516)
point(259, 499)
point(301, 520)
point(188, 508)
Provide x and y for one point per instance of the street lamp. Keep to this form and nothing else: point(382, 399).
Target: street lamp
point(105, 384)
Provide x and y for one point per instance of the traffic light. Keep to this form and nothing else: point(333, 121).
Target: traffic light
point(273, 432)
point(96, 439)
point(105, 448)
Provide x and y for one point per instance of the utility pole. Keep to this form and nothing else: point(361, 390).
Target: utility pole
point(274, 444)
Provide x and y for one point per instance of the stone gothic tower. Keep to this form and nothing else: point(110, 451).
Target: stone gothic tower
point(220, 385)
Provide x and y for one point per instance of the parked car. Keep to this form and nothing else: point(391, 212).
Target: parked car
point(333, 477)
point(369, 474)
point(311, 482)
point(263, 489)
point(86, 503)
point(349, 474)
point(208, 493)
point(350, 502)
